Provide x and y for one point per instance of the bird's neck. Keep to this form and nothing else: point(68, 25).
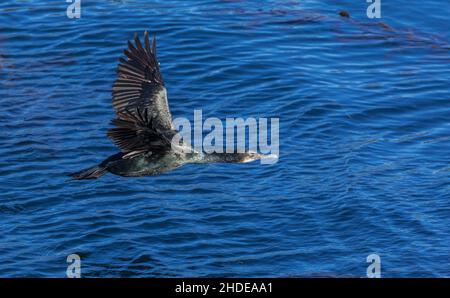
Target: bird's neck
point(220, 158)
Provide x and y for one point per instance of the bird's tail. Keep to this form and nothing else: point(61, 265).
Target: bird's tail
point(90, 173)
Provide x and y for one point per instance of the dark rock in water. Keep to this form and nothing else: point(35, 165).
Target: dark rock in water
point(344, 13)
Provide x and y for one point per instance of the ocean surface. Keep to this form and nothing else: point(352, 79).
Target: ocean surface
point(364, 109)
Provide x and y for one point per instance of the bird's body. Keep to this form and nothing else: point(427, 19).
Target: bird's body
point(144, 165)
point(143, 127)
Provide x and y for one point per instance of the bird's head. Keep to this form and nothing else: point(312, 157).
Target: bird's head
point(252, 156)
point(248, 157)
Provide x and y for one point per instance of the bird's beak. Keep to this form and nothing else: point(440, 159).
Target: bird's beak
point(269, 159)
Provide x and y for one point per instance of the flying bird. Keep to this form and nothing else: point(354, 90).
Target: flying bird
point(143, 125)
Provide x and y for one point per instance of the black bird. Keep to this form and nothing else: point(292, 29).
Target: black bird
point(143, 126)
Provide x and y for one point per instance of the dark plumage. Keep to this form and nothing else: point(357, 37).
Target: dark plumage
point(143, 126)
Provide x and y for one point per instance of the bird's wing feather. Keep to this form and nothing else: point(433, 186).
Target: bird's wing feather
point(136, 134)
point(139, 84)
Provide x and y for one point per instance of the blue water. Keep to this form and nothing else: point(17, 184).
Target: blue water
point(364, 112)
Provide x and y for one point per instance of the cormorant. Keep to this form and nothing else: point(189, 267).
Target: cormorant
point(143, 126)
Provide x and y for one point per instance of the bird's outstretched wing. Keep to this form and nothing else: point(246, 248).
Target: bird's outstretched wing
point(139, 84)
point(136, 134)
